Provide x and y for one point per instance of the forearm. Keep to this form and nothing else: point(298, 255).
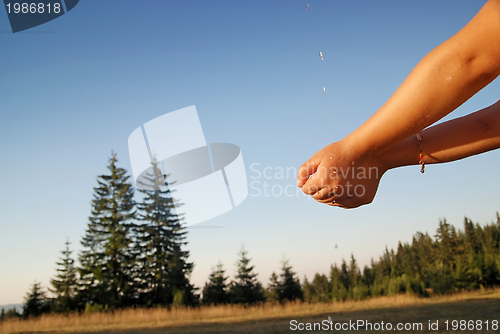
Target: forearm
point(449, 141)
point(447, 77)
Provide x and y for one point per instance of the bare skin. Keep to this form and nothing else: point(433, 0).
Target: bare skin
point(462, 137)
point(443, 80)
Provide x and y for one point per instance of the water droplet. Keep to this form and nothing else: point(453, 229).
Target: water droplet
point(331, 158)
point(321, 56)
point(324, 91)
point(308, 7)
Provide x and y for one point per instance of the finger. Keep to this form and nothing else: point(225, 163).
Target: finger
point(326, 194)
point(319, 180)
point(343, 192)
point(311, 189)
point(307, 169)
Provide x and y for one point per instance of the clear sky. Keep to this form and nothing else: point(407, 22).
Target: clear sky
point(73, 89)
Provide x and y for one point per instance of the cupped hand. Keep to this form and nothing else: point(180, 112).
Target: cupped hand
point(337, 176)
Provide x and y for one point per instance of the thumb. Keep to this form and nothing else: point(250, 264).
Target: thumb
point(307, 169)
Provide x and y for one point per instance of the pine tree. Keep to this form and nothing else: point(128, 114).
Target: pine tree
point(64, 284)
point(106, 262)
point(369, 274)
point(290, 288)
point(164, 268)
point(344, 276)
point(322, 292)
point(308, 290)
point(184, 293)
point(245, 289)
point(36, 302)
point(338, 290)
point(353, 272)
point(215, 290)
point(273, 289)
point(490, 249)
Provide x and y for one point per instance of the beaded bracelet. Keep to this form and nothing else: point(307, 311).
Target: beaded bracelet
point(420, 154)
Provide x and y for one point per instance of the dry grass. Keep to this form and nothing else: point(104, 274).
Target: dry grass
point(144, 319)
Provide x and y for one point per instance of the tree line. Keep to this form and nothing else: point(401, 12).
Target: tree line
point(133, 255)
point(453, 261)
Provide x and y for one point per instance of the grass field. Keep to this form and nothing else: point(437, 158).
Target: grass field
point(484, 305)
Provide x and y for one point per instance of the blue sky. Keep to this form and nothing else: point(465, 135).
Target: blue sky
point(73, 89)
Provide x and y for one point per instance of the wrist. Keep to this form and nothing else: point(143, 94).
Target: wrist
point(385, 161)
point(350, 151)
point(405, 153)
point(382, 162)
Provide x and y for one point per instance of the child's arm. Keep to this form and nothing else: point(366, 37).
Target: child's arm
point(449, 141)
point(444, 79)
point(447, 77)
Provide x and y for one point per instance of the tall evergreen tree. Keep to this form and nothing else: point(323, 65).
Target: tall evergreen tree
point(106, 261)
point(246, 289)
point(344, 276)
point(286, 287)
point(321, 288)
point(290, 288)
point(65, 283)
point(308, 289)
point(338, 290)
point(215, 291)
point(273, 292)
point(164, 268)
point(184, 293)
point(353, 272)
point(36, 302)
